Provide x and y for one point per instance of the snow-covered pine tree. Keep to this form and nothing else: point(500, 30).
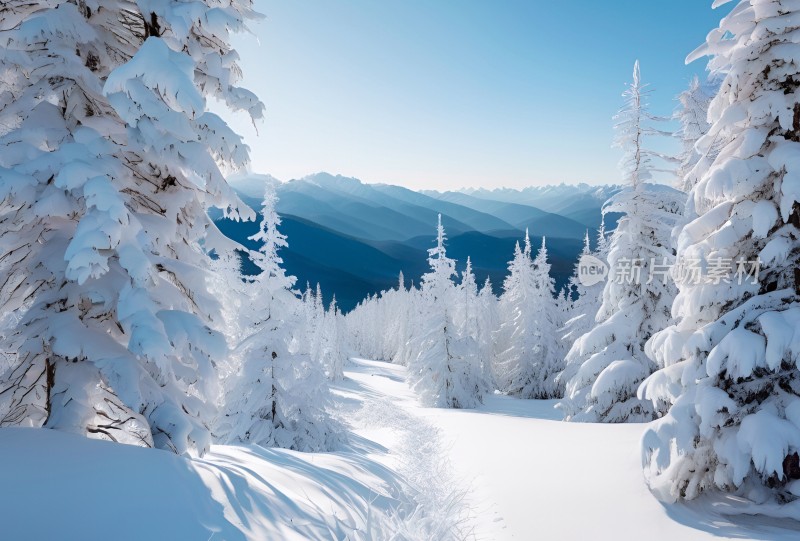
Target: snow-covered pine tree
point(693, 117)
point(472, 334)
point(402, 327)
point(730, 360)
point(584, 302)
point(487, 325)
point(466, 309)
point(276, 394)
point(334, 350)
point(367, 329)
point(524, 359)
point(697, 152)
point(548, 317)
point(313, 314)
point(443, 370)
point(108, 161)
point(563, 306)
point(409, 321)
point(609, 362)
point(601, 252)
point(226, 284)
point(583, 310)
point(515, 336)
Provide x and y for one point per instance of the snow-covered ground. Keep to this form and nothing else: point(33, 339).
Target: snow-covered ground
point(506, 471)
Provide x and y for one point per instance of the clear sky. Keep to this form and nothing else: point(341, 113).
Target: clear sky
point(451, 93)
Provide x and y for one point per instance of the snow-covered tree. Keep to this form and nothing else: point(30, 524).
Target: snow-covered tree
point(474, 328)
point(108, 161)
point(549, 318)
point(465, 307)
point(605, 366)
point(693, 117)
point(583, 300)
point(601, 252)
point(226, 284)
point(313, 316)
point(729, 363)
point(381, 326)
point(276, 394)
point(515, 336)
point(526, 360)
point(333, 348)
point(445, 371)
point(487, 323)
point(409, 321)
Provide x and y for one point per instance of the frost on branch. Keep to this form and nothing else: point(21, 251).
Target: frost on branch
point(445, 369)
point(275, 391)
point(108, 162)
point(729, 362)
point(528, 356)
point(605, 366)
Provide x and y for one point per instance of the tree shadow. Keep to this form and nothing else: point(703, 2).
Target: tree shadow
point(64, 486)
point(498, 404)
point(732, 517)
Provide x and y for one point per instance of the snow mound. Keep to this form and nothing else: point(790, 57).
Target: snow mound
point(96, 490)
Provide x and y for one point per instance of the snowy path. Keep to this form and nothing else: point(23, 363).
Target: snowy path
point(504, 471)
point(531, 476)
point(389, 420)
point(389, 478)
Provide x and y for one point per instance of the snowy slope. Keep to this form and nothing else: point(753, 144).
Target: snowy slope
point(95, 490)
point(505, 471)
point(62, 486)
point(570, 480)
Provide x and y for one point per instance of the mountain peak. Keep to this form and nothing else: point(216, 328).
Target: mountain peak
point(325, 179)
point(251, 184)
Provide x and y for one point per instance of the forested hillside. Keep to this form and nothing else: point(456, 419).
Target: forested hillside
point(190, 350)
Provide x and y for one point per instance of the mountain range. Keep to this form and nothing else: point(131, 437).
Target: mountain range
point(354, 238)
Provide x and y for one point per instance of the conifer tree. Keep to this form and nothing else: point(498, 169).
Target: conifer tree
point(729, 362)
point(443, 370)
point(693, 117)
point(584, 299)
point(109, 159)
point(277, 395)
point(548, 317)
point(526, 360)
point(487, 325)
point(608, 363)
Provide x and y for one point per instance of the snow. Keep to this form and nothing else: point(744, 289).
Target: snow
point(506, 470)
point(129, 493)
point(531, 473)
point(233, 492)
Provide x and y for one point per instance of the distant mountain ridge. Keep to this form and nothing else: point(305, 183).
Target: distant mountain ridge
point(354, 238)
point(578, 202)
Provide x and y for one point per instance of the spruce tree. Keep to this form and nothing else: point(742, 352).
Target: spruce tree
point(729, 362)
point(109, 160)
point(442, 370)
point(608, 363)
point(276, 394)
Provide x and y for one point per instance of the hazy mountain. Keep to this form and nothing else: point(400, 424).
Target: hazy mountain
point(352, 268)
point(376, 212)
point(251, 185)
point(354, 238)
point(538, 222)
point(553, 198)
point(475, 218)
point(343, 265)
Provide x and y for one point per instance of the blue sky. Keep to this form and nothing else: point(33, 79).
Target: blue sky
point(450, 93)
